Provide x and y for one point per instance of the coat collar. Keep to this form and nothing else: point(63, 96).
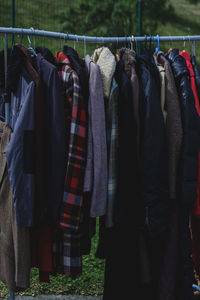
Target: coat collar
point(107, 63)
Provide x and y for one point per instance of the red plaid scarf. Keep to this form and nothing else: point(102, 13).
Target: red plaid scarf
point(76, 117)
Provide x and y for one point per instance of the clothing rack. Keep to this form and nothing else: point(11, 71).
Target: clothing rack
point(89, 39)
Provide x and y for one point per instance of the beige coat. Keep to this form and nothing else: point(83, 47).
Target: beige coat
point(14, 241)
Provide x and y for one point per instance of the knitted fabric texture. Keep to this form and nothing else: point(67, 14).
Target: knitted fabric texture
point(106, 61)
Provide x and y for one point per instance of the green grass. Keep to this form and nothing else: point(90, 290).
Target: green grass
point(89, 283)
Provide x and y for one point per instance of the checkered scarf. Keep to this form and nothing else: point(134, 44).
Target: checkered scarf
point(76, 118)
point(66, 244)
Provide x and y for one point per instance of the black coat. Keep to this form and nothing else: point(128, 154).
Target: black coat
point(128, 208)
point(191, 129)
point(153, 157)
point(188, 171)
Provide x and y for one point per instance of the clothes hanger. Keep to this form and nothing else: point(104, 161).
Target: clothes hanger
point(194, 48)
point(133, 41)
point(184, 44)
point(75, 41)
point(60, 43)
point(31, 50)
point(158, 44)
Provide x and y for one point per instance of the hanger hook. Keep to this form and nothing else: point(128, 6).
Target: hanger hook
point(32, 29)
point(132, 41)
point(194, 48)
point(75, 41)
point(184, 42)
point(29, 40)
point(60, 42)
point(158, 43)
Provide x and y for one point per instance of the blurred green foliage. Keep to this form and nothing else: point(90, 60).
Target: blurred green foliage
point(112, 18)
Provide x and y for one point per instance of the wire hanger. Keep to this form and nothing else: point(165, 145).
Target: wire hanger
point(32, 51)
point(194, 48)
point(75, 41)
point(184, 43)
point(132, 42)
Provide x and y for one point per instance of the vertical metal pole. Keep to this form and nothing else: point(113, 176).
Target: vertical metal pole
point(13, 18)
point(7, 105)
point(12, 296)
point(139, 23)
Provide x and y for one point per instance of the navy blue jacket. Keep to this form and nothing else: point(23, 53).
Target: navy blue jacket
point(55, 135)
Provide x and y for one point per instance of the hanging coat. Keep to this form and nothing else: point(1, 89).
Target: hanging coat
point(14, 240)
point(128, 208)
point(154, 185)
point(55, 136)
point(187, 172)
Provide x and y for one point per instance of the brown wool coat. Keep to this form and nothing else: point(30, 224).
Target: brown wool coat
point(14, 241)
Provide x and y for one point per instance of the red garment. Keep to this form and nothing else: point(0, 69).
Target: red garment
point(186, 56)
point(74, 179)
point(41, 252)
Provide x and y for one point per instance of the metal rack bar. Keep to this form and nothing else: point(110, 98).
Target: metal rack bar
point(92, 39)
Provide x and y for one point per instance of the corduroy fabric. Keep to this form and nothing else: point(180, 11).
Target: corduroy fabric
point(14, 240)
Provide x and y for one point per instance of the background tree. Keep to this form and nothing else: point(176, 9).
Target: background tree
point(110, 17)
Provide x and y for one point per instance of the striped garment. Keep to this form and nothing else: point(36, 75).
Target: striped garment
point(76, 118)
point(66, 240)
point(113, 147)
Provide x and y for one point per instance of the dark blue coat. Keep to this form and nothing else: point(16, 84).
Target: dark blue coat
point(55, 135)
